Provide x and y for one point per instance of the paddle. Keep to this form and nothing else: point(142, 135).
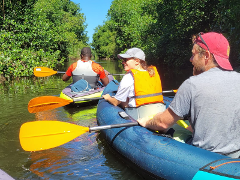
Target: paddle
point(44, 103)
point(41, 135)
point(44, 71)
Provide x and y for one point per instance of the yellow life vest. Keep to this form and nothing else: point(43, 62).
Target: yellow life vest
point(147, 89)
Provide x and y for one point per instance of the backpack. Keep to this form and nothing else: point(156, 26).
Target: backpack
point(81, 85)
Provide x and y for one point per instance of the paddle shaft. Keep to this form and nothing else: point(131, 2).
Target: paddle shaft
point(169, 91)
point(97, 98)
point(88, 99)
point(45, 71)
point(45, 103)
point(61, 72)
point(108, 74)
point(117, 74)
point(97, 128)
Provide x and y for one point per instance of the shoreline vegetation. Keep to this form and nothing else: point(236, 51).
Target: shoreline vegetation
point(50, 33)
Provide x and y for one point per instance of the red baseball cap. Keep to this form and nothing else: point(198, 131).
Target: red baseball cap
point(218, 45)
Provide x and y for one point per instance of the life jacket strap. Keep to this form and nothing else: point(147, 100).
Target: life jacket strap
point(147, 95)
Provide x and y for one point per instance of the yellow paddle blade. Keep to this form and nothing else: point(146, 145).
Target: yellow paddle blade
point(41, 135)
point(45, 103)
point(175, 90)
point(43, 71)
point(182, 123)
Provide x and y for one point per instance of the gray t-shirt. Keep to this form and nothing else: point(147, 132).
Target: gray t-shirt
point(213, 101)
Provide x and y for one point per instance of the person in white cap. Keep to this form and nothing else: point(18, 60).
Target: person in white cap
point(210, 98)
point(140, 86)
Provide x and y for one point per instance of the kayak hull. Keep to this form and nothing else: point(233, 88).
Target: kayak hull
point(78, 97)
point(155, 155)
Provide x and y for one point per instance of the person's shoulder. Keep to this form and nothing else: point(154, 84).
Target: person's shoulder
point(127, 80)
point(75, 62)
point(127, 77)
point(204, 77)
point(73, 65)
point(96, 64)
point(97, 68)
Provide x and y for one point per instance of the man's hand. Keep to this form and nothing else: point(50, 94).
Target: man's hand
point(143, 121)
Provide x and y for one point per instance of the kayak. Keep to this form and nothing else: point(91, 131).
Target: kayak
point(78, 97)
point(68, 94)
point(159, 156)
point(5, 176)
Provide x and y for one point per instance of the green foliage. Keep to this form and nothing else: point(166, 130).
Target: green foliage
point(130, 20)
point(127, 27)
point(177, 21)
point(227, 21)
point(67, 21)
point(32, 86)
point(163, 28)
point(104, 42)
point(38, 33)
point(28, 45)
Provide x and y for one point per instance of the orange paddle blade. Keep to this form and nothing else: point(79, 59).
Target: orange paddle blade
point(45, 103)
point(43, 71)
point(41, 135)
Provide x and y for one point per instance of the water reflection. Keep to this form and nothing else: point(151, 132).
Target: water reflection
point(48, 162)
point(88, 111)
point(113, 160)
point(85, 157)
point(47, 115)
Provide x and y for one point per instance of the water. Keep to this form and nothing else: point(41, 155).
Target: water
point(86, 157)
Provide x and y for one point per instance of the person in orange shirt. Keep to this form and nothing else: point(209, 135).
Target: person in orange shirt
point(87, 70)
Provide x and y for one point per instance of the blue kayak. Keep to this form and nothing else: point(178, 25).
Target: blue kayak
point(157, 156)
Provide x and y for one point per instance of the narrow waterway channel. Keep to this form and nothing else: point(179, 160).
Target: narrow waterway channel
point(86, 157)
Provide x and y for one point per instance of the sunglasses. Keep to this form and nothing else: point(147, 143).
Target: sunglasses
point(199, 35)
point(126, 59)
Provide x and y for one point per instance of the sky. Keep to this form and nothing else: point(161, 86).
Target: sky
point(95, 12)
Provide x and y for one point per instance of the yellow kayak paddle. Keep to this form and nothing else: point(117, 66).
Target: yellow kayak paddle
point(42, 135)
point(44, 103)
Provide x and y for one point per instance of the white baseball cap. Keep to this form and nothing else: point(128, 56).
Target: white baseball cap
point(133, 52)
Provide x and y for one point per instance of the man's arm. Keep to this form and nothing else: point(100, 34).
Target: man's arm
point(97, 68)
point(65, 77)
point(161, 121)
point(105, 81)
point(190, 128)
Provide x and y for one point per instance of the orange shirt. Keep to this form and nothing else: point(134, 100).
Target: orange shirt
point(95, 67)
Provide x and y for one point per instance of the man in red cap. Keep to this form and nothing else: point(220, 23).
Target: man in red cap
point(210, 97)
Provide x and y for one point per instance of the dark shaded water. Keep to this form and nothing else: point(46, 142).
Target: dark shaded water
point(86, 157)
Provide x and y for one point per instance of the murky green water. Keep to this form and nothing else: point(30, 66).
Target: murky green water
point(86, 157)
